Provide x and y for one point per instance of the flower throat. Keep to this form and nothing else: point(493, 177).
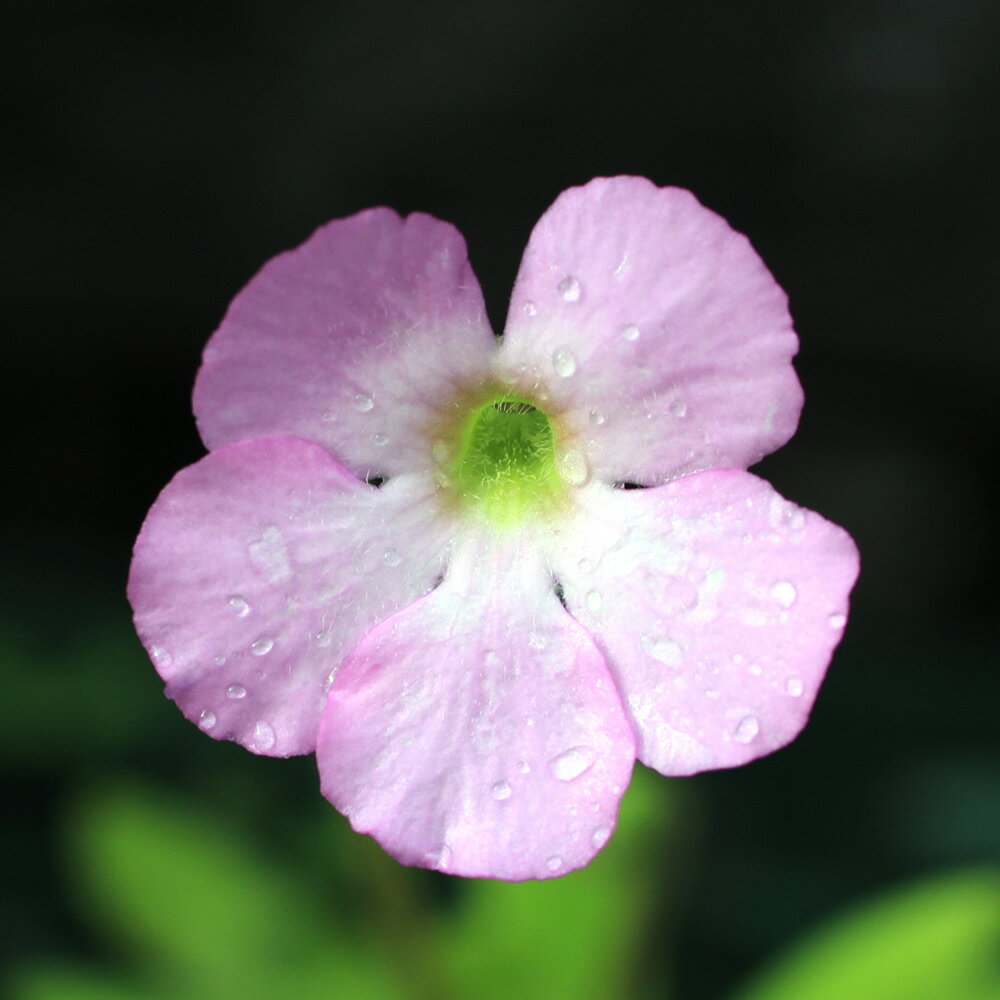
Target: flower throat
point(506, 461)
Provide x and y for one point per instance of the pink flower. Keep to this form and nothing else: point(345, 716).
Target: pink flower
point(409, 551)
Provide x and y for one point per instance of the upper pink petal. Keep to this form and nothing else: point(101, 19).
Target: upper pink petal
point(656, 329)
point(717, 604)
point(256, 570)
point(478, 731)
point(350, 340)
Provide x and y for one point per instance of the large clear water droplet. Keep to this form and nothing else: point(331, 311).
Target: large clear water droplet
point(600, 836)
point(563, 362)
point(236, 692)
point(363, 402)
point(661, 648)
point(746, 729)
point(784, 593)
point(569, 288)
point(207, 720)
point(262, 738)
point(571, 763)
point(239, 605)
point(501, 790)
point(262, 646)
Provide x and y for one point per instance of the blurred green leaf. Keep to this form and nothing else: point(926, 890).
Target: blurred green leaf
point(934, 940)
point(69, 983)
point(204, 913)
point(577, 937)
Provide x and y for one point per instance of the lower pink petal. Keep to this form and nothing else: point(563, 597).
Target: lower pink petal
point(718, 605)
point(256, 570)
point(478, 731)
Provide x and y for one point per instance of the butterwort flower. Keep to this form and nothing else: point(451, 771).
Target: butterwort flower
point(479, 578)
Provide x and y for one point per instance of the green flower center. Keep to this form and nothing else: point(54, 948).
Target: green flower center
point(506, 461)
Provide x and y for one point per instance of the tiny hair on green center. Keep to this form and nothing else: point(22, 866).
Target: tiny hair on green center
point(506, 461)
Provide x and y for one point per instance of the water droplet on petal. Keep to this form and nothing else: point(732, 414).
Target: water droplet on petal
point(563, 362)
point(392, 557)
point(330, 416)
point(492, 659)
point(363, 402)
point(240, 606)
point(262, 646)
point(569, 288)
point(325, 637)
point(837, 621)
point(747, 729)
point(236, 692)
point(536, 640)
point(795, 518)
point(439, 859)
point(794, 687)
point(207, 720)
point(262, 738)
point(380, 439)
point(554, 863)
point(596, 417)
point(160, 656)
point(600, 836)
point(594, 600)
point(523, 766)
point(755, 669)
point(678, 408)
point(572, 466)
point(784, 593)
point(631, 332)
point(501, 790)
point(570, 764)
point(529, 308)
point(661, 648)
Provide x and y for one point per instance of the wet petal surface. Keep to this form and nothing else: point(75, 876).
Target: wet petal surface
point(258, 568)
point(655, 331)
point(478, 731)
point(353, 340)
point(718, 605)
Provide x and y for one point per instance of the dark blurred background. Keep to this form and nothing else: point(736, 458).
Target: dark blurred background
point(156, 158)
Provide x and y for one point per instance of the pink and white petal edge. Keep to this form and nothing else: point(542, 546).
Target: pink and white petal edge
point(478, 731)
point(259, 567)
point(352, 340)
point(657, 332)
point(718, 605)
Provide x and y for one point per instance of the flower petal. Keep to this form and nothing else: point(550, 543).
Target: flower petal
point(717, 604)
point(351, 340)
point(657, 329)
point(478, 731)
point(255, 571)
